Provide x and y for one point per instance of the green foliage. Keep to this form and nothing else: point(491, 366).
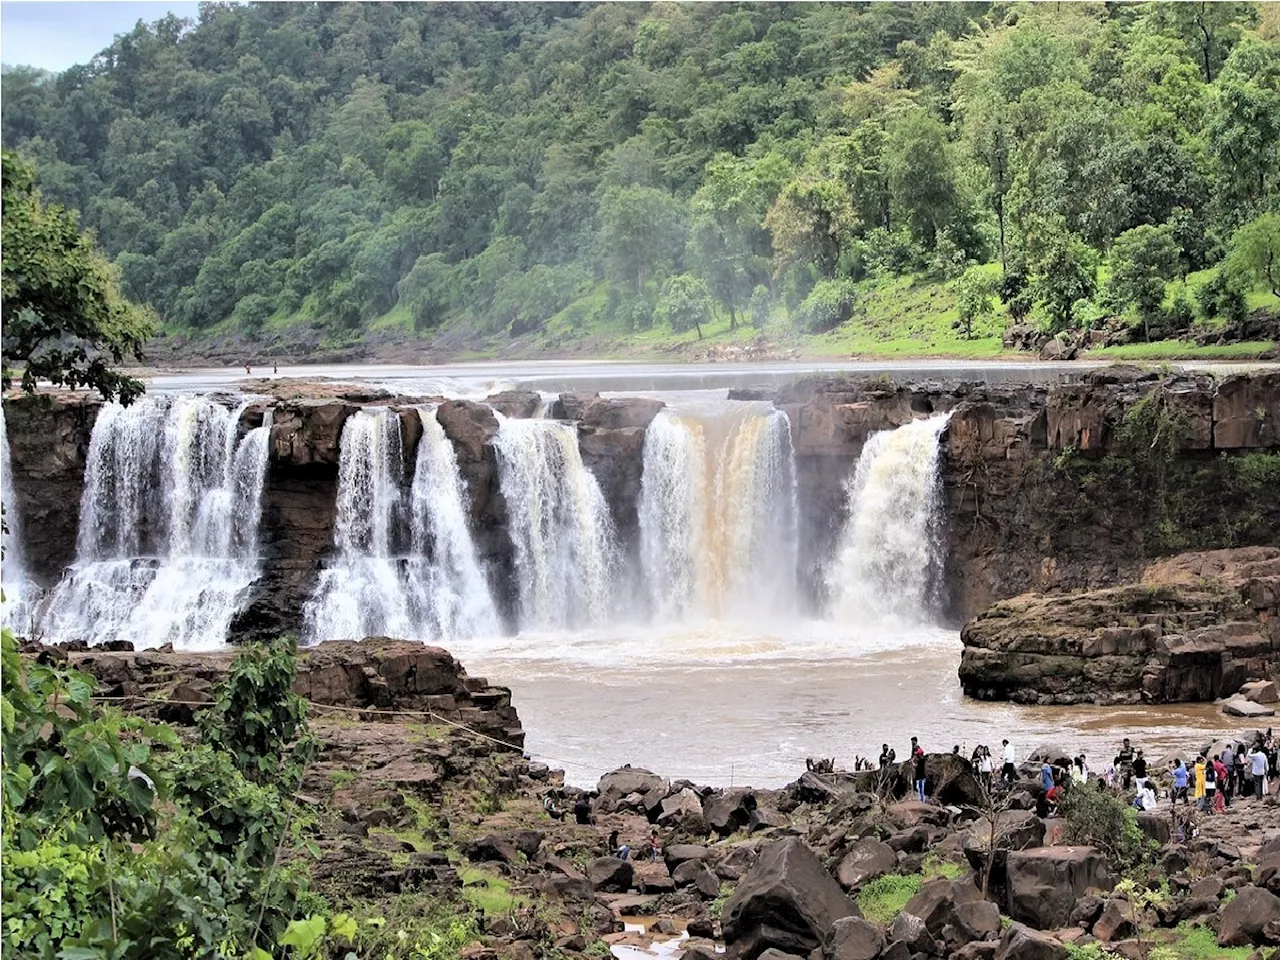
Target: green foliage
point(1196, 943)
point(1142, 260)
point(94, 866)
point(257, 719)
point(1096, 818)
point(268, 169)
point(685, 304)
point(882, 899)
point(1062, 272)
point(975, 299)
point(1255, 252)
point(829, 304)
point(65, 318)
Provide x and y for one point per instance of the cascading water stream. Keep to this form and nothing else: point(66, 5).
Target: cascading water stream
point(889, 557)
point(17, 607)
point(168, 541)
point(718, 522)
point(428, 586)
point(565, 555)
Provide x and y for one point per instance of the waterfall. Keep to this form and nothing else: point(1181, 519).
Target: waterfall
point(889, 558)
point(565, 561)
point(168, 538)
point(718, 521)
point(19, 592)
point(427, 585)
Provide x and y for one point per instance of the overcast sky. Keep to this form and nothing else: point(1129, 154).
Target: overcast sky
point(55, 35)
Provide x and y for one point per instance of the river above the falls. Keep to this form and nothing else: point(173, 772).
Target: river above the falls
point(480, 379)
point(724, 705)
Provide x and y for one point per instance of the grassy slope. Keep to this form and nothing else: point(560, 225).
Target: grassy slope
point(896, 317)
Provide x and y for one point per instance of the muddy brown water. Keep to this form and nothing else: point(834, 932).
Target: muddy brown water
point(723, 706)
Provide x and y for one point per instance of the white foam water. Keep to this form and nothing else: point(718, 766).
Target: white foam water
point(889, 556)
point(168, 541)
point(560, 526)
point(425, 586)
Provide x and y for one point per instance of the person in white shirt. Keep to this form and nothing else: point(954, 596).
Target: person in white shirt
point(1258, 768)
point(1009, 773)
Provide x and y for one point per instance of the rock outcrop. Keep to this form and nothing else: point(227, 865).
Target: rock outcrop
point(1196, 627)
point(377, 674)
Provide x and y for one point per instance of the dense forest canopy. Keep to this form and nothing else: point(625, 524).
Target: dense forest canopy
point(477, 169)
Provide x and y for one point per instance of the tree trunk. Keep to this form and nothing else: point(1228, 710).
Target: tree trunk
point(733, 319)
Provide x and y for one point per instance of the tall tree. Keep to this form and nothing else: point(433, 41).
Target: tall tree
point(65, 319)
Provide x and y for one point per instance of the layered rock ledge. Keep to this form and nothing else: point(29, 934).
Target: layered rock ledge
point(1196, 627)
point(376, 675)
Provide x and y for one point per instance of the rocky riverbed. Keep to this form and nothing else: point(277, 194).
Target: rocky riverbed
point(421, 791)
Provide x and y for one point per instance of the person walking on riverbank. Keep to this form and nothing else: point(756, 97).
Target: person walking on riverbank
point(1008, 773)
point(1140, 771)
point(1198, 795)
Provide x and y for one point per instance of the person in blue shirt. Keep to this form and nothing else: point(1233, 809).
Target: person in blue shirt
point(1046, 776)
point(1179, 781)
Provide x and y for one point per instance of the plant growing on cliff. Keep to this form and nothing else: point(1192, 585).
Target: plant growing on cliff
point(65, 319)
point(258, 720)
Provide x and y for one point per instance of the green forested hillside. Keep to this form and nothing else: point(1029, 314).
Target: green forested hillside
point(639, 174)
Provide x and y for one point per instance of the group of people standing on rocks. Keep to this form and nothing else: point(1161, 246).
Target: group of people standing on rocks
point(1210, 781)
point(1213, 781)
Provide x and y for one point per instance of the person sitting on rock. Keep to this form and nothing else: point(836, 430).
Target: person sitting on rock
point(1146, 798)
point(554, 810)
point(621, 851)
point(582, 809)
point(887, 756)
point(655, 847)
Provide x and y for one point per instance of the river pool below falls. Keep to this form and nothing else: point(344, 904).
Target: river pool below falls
point(726, 706)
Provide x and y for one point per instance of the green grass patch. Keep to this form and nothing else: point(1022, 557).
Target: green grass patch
point(1196, 943)
point(342, 777)
point(488, 891)
point(1183, 350)
point(883, 898)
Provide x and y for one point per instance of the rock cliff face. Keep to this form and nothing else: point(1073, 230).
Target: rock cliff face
point(1078, 486)
point(1197, 627)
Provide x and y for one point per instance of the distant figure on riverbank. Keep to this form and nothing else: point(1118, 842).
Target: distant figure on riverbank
point(655, 847)
point(1258, 769)
point(1008, 773)
point(554, 811)
point(622, 852)
point(275, 368)
point(1179, 781)
point(887, 756)
point(1046, 776)
point(248, 370)
point(1124, 765)
point(917, 757)
point(582, 809)
point(1199, 791)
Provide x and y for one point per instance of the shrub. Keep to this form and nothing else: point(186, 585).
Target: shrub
point(1095, 818)
point(828, 305)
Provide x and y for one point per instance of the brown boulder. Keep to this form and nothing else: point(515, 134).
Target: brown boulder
point(1043, 885)
point(1022, 943)
point(787, 900)
point(866, 860)
point(853, 938)
point(1245, 919)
